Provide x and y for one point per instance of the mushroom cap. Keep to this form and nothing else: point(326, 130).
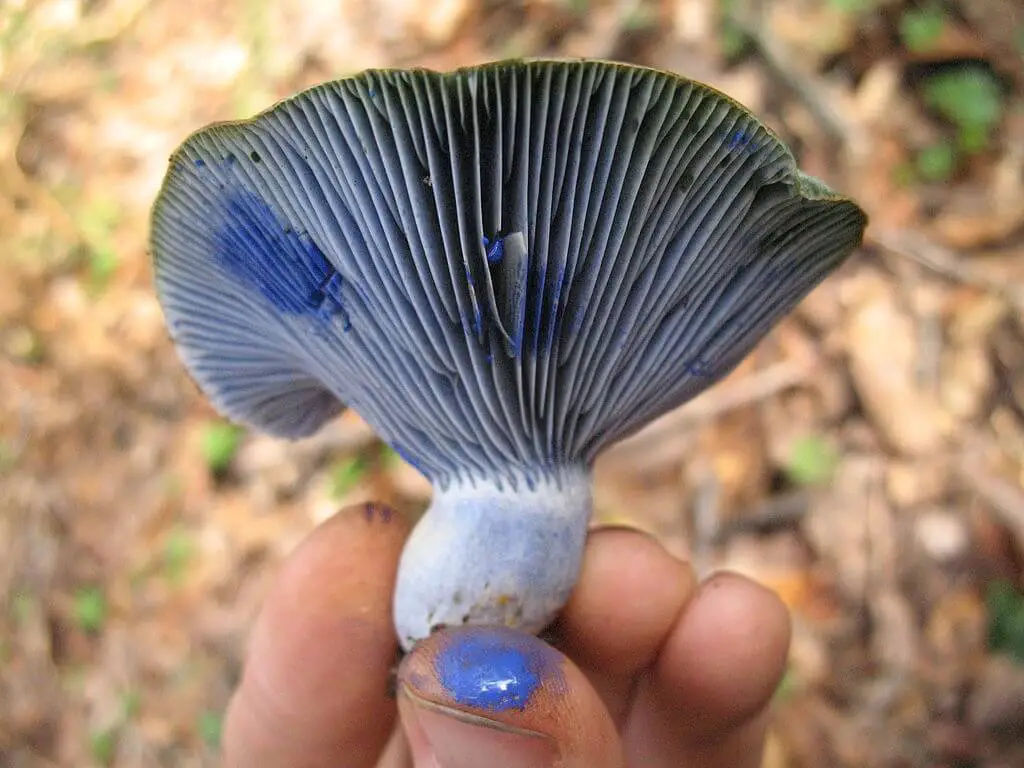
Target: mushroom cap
point(501, 268)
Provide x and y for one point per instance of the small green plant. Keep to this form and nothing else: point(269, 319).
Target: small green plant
point(812, 461)
point(936, 162)
point(732, 40)
point(638, 18)
point(90, 609)
point(1005, 606)
point(209, 726)
point(853, 7)
point(345, 475)
point(103, 745)
point(97, 222)
point(103, 263)
point(131, 703)
point(920, 29)
point(220, 441)
point(178, 551)
point(971, 99)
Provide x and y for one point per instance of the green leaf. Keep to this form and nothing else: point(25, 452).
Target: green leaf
point(210, 726)
point(131, 703)
point(220, 443)
point(1005, 620)
point(103, 745)
point(103, 263)
point(90, 609)
point(921, 29)
point(936, 162)
point(732, 40)
point(812, 461)
point(345, 475)
point(852, 7)
point(178, 551)
point(971, 99)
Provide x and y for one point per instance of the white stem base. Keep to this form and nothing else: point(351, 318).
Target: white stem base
point(496, 556)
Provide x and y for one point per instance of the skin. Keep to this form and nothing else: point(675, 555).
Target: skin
point(646, 667)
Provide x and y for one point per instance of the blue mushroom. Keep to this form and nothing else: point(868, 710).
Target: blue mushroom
point(504, 269)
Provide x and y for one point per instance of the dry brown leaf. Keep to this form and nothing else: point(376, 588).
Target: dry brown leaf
point(884, 356)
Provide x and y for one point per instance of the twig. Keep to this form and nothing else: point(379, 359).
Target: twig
point(714, 403)
point(774, 514)
point(778, 64)
point(1005, 498)
point(942, 261)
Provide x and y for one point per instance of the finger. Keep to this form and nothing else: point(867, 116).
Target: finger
point(314, 690)
point(628, 598)
point(493, 696)
point(702, 703)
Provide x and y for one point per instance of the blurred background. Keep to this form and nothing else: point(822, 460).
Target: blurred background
point(867, 462)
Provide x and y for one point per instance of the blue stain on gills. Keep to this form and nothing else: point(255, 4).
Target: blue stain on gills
point(287, 268)
point(493, 669)
point(743, 139)
point(495, 250)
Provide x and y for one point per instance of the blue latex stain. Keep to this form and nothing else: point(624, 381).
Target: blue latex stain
point(742, 139)
point(327, 299)
point(285, 267)
point(199, 162)
point(698, 367)
point(493, 669)
point(495, 250)
point(408, 458)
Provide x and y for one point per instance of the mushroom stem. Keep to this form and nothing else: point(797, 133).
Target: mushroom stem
point(489, 553)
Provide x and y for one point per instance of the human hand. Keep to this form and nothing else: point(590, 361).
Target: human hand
point(647, 668)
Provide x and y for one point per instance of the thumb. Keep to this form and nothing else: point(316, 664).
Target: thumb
point(477, 696)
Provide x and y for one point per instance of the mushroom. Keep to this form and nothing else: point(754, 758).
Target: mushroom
point(503, 269)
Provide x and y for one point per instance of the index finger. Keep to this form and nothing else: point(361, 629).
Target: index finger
point(314, 689)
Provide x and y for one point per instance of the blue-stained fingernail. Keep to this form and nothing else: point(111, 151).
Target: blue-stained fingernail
point(495, 669)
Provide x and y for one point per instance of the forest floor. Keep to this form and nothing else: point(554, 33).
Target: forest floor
point(867, 461)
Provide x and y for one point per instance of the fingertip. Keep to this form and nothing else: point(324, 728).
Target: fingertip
point(321, 650)
point(727, 654)
point(704, 700)
point(495, 692)
point(629, 595)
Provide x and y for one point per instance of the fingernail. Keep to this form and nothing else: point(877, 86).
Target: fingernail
point(470, 691)
point(447, 738)
point(623, 526)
